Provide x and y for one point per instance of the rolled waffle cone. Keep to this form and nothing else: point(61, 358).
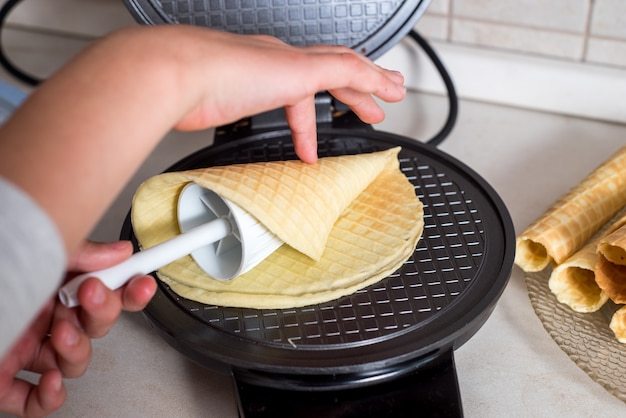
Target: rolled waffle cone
point(573, 282)
point(298, 202)
point(611, 265)
point(575, 217)
point(368, 238)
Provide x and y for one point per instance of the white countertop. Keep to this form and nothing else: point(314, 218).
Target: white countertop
point(511, 367)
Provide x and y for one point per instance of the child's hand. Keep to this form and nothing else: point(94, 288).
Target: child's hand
point(242, 75)
point(58, 343)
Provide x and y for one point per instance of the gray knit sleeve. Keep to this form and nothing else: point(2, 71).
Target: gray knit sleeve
point(32, 262)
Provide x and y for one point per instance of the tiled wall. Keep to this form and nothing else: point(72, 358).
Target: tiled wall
point(588, 31)
point(584, 42)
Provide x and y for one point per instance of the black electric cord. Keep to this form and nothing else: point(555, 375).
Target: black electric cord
point(453, 101)
point(4, 60)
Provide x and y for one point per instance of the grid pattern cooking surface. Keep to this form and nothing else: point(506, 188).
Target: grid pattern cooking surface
point(444, 264)
point(297, 22)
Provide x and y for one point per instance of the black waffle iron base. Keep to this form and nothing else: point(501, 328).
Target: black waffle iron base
point(386, 350)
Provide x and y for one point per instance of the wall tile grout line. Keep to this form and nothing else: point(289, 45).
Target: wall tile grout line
point(516, 25)
point(590, 11)
point(449, 20)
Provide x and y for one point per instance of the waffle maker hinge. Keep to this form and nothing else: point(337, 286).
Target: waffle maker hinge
point(328, 112)
point(275, 119)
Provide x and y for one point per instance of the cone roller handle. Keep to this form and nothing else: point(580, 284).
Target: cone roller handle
point(149, 260)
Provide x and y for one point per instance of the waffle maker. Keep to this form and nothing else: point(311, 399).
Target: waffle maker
point(387, 350)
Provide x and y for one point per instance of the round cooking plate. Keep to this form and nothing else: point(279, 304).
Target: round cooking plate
point(435, 301)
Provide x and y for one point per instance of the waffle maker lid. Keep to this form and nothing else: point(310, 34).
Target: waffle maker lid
point(369, 27)
point(387, 349)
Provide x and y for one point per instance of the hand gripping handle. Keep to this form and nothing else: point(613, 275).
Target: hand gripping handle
point(149, 260)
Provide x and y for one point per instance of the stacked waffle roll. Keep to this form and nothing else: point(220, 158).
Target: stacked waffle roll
point(583, 237)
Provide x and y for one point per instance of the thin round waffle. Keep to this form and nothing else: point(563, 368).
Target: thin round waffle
point(366, 204)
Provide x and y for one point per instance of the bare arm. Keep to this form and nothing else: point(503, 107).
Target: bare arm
point(83, 133)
